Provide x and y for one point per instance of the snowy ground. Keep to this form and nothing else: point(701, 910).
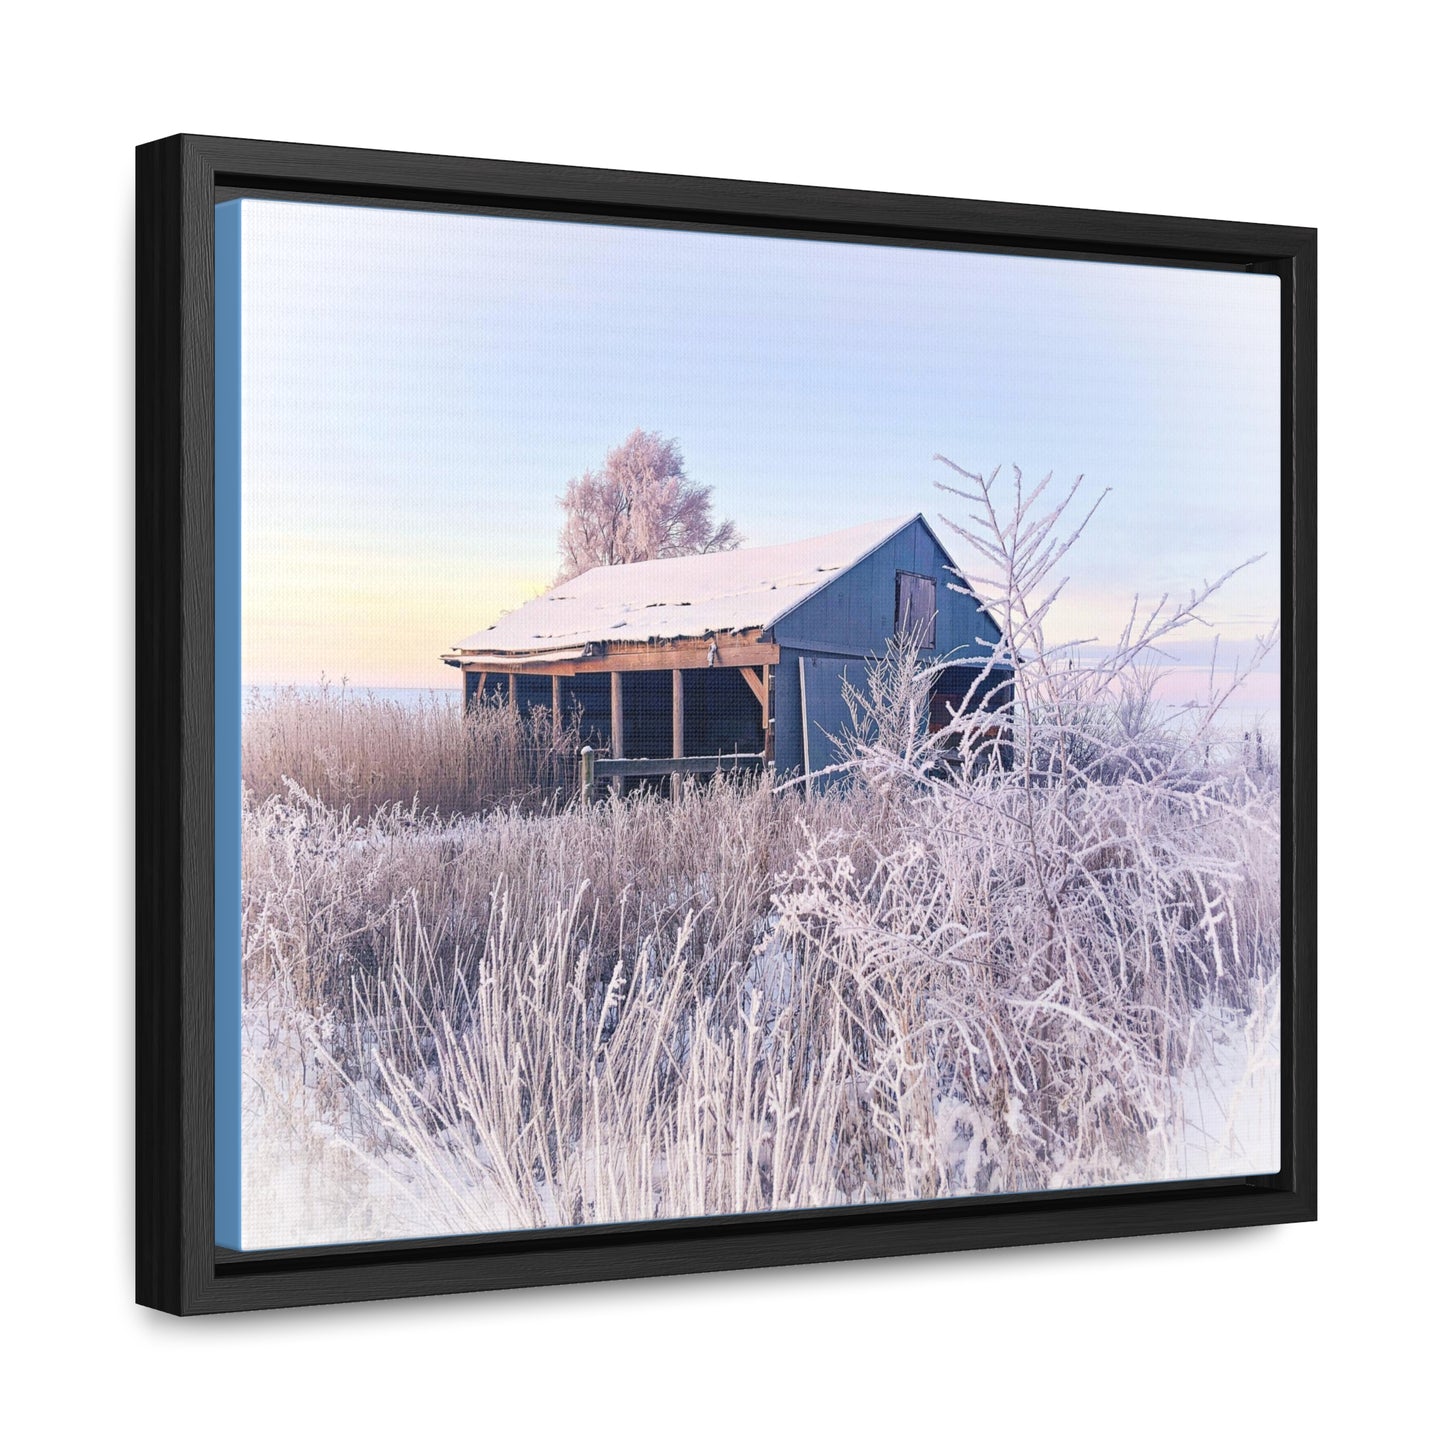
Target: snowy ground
point(1228, 1123)
point(307, 1181)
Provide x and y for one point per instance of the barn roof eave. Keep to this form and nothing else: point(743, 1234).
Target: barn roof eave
point(478, 658)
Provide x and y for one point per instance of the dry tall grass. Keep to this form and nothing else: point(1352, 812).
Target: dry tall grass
point(740, 1002)
point(362, 752)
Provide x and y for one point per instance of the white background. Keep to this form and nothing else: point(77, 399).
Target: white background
point(1271, 113)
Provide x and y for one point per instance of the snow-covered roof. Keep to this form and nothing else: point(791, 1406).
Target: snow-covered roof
point(681, 596)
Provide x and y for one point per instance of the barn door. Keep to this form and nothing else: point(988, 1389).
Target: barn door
point(825, 713)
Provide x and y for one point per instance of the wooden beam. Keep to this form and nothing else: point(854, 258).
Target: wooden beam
point(676, 655)
point(556, 705)
point(662, 658)
point(660, 767)
point(755, 681)
point(512, 691)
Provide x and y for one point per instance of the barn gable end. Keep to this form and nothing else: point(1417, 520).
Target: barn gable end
point(856, 613)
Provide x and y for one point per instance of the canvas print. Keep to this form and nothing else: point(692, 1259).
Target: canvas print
point(714, 723)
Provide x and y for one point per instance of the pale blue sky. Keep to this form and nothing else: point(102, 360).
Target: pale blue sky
point(419, 387)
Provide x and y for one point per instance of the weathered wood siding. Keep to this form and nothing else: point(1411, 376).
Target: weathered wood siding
point(827, 708)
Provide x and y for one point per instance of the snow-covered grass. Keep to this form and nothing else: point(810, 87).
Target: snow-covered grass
point(449, 993)
point(1053, 965)
point(495, 1039)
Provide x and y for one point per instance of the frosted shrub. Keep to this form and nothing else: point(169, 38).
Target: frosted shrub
point(1043, 937)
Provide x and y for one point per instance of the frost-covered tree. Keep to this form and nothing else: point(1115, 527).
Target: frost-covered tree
point(641, 505)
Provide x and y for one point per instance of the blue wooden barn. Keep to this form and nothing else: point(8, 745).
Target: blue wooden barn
point(734, 653)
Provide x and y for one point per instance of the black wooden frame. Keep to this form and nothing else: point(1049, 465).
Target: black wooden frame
point(178, 1267)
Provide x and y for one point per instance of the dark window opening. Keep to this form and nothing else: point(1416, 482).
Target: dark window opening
point(916, 609)
point(957, 690)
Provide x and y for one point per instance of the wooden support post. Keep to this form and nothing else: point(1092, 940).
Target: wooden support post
point(619, 729)
point(472, 684)
point(587, 777)
point(512, 691)
point(678, 751)
point(556, 706)
point(803, 699)
point(768, 711)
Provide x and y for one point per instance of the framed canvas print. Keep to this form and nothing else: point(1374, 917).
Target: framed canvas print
point(687, 724)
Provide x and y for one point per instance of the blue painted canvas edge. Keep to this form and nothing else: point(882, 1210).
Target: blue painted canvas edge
point(228, 723)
